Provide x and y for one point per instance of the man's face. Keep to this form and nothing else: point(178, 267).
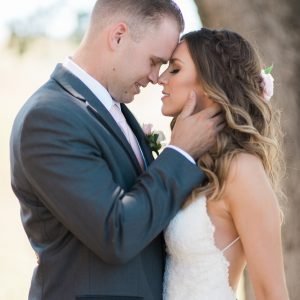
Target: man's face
point(138, 62)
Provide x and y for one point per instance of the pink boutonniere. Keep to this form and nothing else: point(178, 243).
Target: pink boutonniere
point(154, 138)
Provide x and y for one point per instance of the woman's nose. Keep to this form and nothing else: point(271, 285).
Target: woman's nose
point(162, 79)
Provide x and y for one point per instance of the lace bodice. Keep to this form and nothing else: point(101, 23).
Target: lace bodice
point(195, 267)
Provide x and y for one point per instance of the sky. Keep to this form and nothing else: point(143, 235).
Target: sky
point(63, 21)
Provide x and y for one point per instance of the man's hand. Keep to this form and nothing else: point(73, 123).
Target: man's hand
point(196, 133)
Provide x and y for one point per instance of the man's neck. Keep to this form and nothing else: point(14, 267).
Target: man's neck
point(89, 64)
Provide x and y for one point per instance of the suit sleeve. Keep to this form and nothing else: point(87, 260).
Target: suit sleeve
point(75, 183)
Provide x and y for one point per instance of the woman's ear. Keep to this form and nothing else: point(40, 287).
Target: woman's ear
point(116, 34)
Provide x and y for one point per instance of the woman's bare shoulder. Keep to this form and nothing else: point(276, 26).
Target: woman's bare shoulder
point(243, 166)
point(247, 181)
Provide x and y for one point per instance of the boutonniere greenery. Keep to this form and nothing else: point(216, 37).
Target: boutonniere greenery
point(154, 138)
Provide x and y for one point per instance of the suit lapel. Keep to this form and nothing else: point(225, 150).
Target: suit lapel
point(137, 130)
point(79, 90)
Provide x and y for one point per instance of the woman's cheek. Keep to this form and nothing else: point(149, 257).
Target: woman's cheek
point(181, 100)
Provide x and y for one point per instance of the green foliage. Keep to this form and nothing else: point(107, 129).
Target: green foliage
point(269, 69)
point(153, 142)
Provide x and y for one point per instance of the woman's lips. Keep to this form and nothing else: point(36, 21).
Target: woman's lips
point(165, 94)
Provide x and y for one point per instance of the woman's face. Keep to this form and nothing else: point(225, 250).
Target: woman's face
point(179, 79)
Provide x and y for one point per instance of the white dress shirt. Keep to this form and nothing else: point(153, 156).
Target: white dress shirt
point(102, 94)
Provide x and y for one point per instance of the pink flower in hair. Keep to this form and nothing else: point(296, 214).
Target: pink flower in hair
point(267, 83)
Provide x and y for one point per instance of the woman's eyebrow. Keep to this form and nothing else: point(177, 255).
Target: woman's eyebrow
point(174, 59)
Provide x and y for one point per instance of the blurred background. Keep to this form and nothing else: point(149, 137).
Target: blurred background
point(36, 35)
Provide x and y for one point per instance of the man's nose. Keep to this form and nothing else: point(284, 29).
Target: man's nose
point(153, 77)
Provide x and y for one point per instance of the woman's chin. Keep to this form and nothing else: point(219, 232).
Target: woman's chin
point(168, 113)
point(164, 113)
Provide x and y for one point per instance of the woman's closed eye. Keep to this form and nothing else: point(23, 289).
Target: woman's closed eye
point(174, 71)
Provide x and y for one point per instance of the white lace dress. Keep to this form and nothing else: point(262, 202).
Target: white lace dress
point(195, 268)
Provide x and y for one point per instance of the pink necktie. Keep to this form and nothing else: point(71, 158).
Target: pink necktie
point(121, 121)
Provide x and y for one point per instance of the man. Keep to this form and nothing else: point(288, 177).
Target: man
point(92, 206)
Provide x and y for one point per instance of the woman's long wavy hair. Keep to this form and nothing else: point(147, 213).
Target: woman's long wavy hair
point(229, 70)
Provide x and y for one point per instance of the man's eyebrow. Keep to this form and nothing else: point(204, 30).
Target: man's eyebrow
point(160, 60)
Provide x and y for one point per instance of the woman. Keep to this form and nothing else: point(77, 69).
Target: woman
point(234, 218)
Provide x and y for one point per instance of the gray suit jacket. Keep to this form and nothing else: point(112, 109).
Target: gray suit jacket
point(92, 216)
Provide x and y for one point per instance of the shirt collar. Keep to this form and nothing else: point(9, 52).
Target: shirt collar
point(96, 87)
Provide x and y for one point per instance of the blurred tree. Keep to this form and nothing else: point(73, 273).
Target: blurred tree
point(17, 42)
point(25, 31)
point(274, 26)
point(82, 22)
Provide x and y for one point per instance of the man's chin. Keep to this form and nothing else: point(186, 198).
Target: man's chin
point(124, 99)
point(127, 98)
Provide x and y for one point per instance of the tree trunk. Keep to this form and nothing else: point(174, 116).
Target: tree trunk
point(274, 27)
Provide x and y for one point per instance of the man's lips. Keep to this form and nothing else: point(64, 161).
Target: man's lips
point(139, 85)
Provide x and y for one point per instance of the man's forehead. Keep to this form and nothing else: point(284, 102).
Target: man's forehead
point(161, 44)
point(162, 52)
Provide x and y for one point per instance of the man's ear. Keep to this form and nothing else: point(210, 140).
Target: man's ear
point(116, 34)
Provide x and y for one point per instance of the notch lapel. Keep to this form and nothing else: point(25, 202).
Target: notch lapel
point(81, 92)
point(137, 130)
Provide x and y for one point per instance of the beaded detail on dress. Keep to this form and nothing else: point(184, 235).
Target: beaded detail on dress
point(195, 267)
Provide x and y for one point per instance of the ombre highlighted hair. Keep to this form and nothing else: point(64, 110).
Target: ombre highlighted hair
point(229, 70)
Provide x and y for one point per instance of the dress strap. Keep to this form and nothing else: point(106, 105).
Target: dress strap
point(232, 243)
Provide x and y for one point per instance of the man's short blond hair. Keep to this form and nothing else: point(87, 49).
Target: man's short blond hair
point(138, 14)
